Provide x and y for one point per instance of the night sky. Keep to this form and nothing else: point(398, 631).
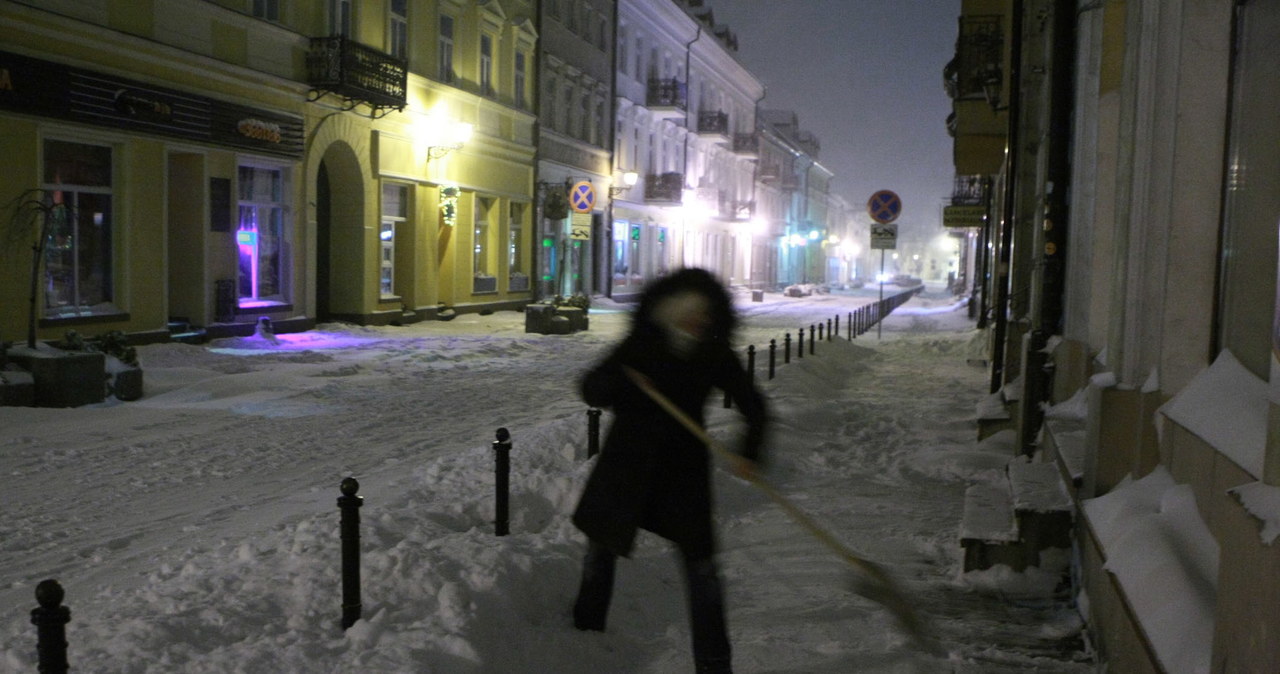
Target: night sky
point(865, 76)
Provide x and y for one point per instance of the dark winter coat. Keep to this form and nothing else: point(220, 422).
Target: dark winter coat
point(652, 473)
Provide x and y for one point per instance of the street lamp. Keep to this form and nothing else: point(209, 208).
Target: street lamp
point(629, 179)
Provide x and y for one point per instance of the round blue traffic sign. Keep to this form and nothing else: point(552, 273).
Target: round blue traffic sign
point(884, 206)
point(582, 197)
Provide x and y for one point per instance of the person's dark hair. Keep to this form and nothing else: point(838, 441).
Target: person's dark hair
point(723, 319)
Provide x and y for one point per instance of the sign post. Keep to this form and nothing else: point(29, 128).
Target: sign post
point(883, 207)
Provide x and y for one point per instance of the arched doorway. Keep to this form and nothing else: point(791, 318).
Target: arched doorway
point(340, 244)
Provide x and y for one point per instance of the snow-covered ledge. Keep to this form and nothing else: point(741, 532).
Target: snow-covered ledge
point(1165, 560)
point(1226, 406)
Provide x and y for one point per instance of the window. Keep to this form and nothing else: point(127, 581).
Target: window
point(340, 17)
point(78, 252)
point(260, 234)
point(395, 200)
point(553, 7)
point(444, 48)
point(585, 120)
point(486, 65)
point(267, 9)
point(519, 79)
point(623, 53)
point(484, 280)
point(519, 279)
point(398, 29)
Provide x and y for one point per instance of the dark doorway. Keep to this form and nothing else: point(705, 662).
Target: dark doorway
point(322, 244)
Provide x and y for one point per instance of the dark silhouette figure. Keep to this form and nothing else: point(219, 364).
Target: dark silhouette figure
point(653, 473)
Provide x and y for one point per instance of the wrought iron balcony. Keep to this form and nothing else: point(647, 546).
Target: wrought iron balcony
point(667, 98)
point(357, 73)
point(746, 144)
point(737, 209)
point(665, 188)
point(970, 190)
point(713, 125)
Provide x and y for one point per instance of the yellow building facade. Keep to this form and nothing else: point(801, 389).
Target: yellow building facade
point(212, 163)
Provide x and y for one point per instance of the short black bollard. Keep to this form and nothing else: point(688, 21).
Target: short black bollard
point(773, 356)
point(837, 331)
point(830, 334)
point(51, 619)
point(800, 344)
point(502, 466)
point(811, 353)
point(350, 504)
point(751, 362)
point(593, 432)
point(786, 352)
point(849, 326)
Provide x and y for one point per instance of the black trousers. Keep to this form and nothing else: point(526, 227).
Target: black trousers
point(711, 653)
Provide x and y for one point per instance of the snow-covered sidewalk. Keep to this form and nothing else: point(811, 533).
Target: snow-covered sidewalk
point(196, 530)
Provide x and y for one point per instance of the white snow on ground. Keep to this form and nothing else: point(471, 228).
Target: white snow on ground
point(196, 530)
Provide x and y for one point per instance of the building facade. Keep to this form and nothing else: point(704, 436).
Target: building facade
point(1131, 241)
point(220, 162)
point(575, 110)
point(685, 123)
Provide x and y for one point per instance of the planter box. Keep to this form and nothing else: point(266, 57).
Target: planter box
point(63, 378)
point(545, 319)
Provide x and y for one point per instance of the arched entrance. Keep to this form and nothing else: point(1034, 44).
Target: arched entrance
point(340, 242)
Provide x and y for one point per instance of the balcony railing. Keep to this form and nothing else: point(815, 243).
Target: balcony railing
point(664, 188)
point(714, 125)
point(970, 190)
point(746, 144)
point(667, 95)
point(357, 73)
point(737, 209)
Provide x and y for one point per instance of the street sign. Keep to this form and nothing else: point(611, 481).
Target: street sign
point(580, 227)
point(582, 197)
point(884, 206)
point(964, 216)
point(884, 237)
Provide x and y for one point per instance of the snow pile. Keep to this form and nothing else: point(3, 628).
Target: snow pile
point(1166, 559)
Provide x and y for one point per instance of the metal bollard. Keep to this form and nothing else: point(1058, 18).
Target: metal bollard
point(811, 340)
point(502, 465)
point(786, 352)
point(800, 347)
point(350, 504)
point(593, 432)
point(773, 356)
point(830, 334)
point(849, 326)
point(751, 362)
point(837, 330)
point(820, 331)
point(50, 619)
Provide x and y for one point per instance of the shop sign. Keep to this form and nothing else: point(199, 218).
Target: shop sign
point(38, 87)
point(964, 216)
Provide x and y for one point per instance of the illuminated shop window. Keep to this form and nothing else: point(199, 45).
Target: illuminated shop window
point(260, 235)
point(77, 256)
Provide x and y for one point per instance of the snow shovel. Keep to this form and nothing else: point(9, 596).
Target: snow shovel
point(873, 583)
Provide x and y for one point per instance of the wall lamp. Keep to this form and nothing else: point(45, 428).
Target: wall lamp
point(629, 179)
point(439, 135)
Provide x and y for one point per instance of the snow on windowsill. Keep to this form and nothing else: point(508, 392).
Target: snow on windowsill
point(1226, 406)
point(1166, 560)
point(1263, 502)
